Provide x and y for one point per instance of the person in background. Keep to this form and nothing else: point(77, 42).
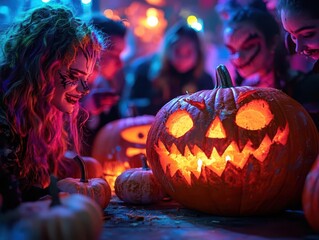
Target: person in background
point(300, 19)
point(46, 59)
point(257, 52)
point(106, 87)
point(177, 69)
point(226, 8)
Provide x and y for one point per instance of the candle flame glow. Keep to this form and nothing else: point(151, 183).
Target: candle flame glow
point(199, 165)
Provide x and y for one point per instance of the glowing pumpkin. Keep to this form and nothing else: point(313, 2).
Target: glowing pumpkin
point(119, 145)
point(233, 150)
point(310, 197)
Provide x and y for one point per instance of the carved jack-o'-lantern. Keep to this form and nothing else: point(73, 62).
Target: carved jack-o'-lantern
point(119, 145)
point(233, 150)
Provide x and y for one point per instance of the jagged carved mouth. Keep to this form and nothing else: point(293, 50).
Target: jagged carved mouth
point(195, 160)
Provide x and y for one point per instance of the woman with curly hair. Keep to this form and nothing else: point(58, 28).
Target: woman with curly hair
point(45, 61)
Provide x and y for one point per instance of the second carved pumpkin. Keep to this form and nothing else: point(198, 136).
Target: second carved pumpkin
point(119, 145)
point(233, 150)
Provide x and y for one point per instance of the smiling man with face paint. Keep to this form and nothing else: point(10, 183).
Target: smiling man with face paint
point(249, 54)
point(252, 37)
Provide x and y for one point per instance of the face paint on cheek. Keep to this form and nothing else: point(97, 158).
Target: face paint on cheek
point(254, 52)
point(64, 80)
point(250, 47)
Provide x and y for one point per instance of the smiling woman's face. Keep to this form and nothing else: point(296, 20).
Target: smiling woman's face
point(71, 83)
point(304, 32)
point(248, 49)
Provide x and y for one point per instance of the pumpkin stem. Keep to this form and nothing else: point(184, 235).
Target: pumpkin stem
point(144, 162)
point(80, 161)
point(223, 79)
point(54, 192)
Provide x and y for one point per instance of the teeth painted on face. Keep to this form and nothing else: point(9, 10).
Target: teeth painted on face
point(172, 160)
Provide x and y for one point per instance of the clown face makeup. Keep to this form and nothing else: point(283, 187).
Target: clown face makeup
point(71, 83)
point(183, 55)
point(248, 50)
point(304, 32)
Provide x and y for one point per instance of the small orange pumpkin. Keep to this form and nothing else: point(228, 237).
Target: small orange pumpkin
point(138, 185)
point(71, 217)
point(95, 188)
point(233, 150)
point(310, 197)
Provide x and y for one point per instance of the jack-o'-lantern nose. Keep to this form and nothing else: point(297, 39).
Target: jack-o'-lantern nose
point(216, 129)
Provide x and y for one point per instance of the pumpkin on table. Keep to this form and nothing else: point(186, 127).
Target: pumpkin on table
point(70, 168)
point(95, 188)
point(72, 217)
point(310, 197)
point(138, 185)
point(233, 150)
point(119, 144)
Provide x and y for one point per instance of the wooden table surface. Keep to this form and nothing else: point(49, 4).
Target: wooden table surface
point(169, 220)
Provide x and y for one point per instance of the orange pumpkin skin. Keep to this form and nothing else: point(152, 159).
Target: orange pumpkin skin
point(232, 163)
point(119, 145)
point(310, 197)
point(138, 186)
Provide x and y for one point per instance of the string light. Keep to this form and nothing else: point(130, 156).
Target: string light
point(86, 1)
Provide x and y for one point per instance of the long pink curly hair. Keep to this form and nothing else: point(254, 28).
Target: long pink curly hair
point(46, 38)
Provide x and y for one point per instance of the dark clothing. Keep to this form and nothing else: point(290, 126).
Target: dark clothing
point(12, 150)
point(305, 89)
point(148, 97)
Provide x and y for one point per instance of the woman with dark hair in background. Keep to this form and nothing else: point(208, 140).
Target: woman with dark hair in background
point(176, 69)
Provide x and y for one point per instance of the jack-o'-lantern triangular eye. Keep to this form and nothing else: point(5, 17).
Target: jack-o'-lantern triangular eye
point(179, 123)
point(216, 129)
point(254, 115)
